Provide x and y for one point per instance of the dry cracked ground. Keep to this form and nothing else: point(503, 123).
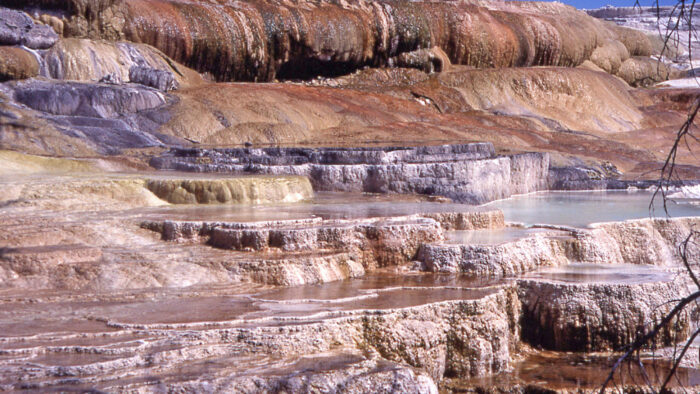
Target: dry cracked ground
point(356, 196)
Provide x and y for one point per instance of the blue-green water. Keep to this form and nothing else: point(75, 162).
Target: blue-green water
point(581, 209)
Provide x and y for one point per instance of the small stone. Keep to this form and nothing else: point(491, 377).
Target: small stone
point(17, 28)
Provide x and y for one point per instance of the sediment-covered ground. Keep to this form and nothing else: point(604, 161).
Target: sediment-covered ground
point(250, 196)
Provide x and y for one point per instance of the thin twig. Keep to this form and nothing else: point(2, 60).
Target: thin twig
point(643, 340)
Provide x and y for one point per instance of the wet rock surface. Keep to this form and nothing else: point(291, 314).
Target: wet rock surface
point(271, 333)
point(173, 294)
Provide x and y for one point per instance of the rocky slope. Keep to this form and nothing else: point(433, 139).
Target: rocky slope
point(168, 223)
point(132, 95)
point(657, 23)
point(259, 41)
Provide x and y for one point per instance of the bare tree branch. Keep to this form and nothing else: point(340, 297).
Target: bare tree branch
point(677, 361)
point(643, 340)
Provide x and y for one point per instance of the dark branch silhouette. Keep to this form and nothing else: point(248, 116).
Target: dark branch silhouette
point(681, 12)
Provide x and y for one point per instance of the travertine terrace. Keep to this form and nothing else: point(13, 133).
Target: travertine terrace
point(336, 196)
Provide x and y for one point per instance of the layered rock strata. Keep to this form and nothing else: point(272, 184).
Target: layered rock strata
point(374, 242)
point(98, 242)
point(454, 330)
point(469, 173)
point(641, 242)
point(106, 286)
point(184, 315)
point(107, 117)
point(593, 121)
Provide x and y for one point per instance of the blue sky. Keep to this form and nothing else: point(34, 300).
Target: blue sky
point(619, 3)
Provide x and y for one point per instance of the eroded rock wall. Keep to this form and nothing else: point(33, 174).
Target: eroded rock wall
point(600, 316)
point(508, 259)
point(644, 241)
point(468, 339)
point(261, 41)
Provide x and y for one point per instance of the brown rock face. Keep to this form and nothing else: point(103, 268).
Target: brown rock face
point(643, 71)
point(610, 56)
point(261, 41)
point(93, 60)
point(17, 63)
point(255, 190)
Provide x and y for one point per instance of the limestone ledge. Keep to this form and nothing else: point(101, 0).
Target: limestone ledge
point(507, 259)
point(469, 337)
point(642, 241)
point(468, 173)
point(375, 242)
point(415, 346)
point(319, 250)
point(476, 220)
point(601, 316)
point(241, 190)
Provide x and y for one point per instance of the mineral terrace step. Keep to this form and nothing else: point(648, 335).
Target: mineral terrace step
point(470, 173)
point(113, 341)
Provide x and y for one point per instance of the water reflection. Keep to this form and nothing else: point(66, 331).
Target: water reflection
point(570, 371)
point(602, 273)
point(490, 236)
point(324, 205)
point(580, 209)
